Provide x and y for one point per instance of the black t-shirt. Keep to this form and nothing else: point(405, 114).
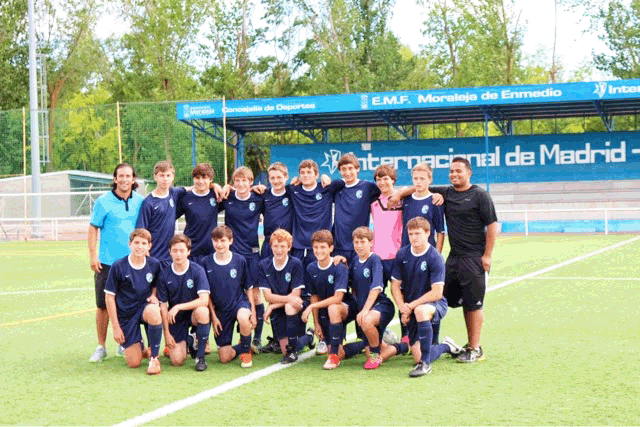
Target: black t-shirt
point(467, 213)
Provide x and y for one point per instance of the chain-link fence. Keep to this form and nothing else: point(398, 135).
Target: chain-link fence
point(89, 139)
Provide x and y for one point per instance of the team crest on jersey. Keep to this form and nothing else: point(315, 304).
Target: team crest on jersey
point(212, 201)
point(287, 277)
point(285, 202)
point(149, 277)
point(366, 272)
point(190, 284)
point(171, 203)
point(318, 196)
point(330, 279)
point(359, 194)
point(425, 209)
point(233, 273)
point(423, 266)
point(252, 206)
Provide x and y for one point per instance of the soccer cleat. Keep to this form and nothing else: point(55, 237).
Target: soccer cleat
point(454, 349)
point(99, 354)
point(420, 369)
point(120, 351)
point(246, 360)
point(271, 346)
point(256, 346)
point(322, 348)
point(165, 352)
point(471, 355)
point(154, 366)
point(333, 361)
point(390, 337)
point(290, 357)
point(311, 333)
point(201, 364)
point(374, 361)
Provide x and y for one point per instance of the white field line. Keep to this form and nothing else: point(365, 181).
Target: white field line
point(41, 291)
point(560, 265)
point(223, 388)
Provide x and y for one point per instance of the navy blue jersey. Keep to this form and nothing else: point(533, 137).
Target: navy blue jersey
point(158, 215)
point(353, 209)
point(417, 271)
point(413, 207)
point(313, 211)
point(243, 217)
point(283, 281)
point(131, 287)
point(278, 213)
point(227, 281)
point(365, 277)
point(174, 288)
point(325, 282)
point(201, 214)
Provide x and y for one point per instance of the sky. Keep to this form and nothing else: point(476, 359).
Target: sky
point(574, 46)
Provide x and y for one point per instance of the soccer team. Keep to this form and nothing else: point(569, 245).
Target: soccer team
point(312, 262)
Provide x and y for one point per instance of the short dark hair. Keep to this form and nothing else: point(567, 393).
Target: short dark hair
point(180, 238)
point(386, 170)
point(221, 231)
point(466, 162)
point(204, 170)
point(115, 175)
point(322, 236)
point(419, 222)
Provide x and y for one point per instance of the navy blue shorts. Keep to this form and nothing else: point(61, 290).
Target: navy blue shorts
point(441, 311)
point(387, 310)
point(352, 312)
point(130, 326)
point(228, 320)
point(180, 329)
point(305, 256)
point(252, 270)
point(279, 321)
point(387, 268)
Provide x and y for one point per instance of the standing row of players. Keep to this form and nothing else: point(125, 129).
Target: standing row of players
point(301, 209)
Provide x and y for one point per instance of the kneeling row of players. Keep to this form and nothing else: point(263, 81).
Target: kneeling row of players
point(193, 295)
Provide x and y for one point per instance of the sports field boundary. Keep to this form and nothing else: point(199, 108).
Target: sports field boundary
point(253, 376)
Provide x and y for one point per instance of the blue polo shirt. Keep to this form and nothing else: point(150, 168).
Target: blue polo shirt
point(116, 219)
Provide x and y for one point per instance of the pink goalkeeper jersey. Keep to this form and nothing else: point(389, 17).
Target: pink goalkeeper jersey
point(387, 229)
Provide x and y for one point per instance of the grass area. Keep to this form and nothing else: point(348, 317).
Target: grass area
point(561, 351)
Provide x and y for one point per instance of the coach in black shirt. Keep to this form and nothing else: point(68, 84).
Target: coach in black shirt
point(472, 226)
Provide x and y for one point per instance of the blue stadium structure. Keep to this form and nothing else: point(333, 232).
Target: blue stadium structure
point(565, 171)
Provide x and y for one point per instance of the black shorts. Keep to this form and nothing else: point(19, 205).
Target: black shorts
point(465, 283)
point(100, 280)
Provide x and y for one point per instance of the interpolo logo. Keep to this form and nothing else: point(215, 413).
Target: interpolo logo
point(330, 279)
point(233, 273)
point(287, 277)
point(149, 277)
point(425, 209)
point(331, 160)
point(190, 284)
point(285, 202)
point(601, 89)
point(171, 203)
point(252, 206)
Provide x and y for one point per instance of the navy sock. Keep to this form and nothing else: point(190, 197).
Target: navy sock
point(403, 328)
point(374, 349)
point(425, 335)
point(353, 348)
point(336, 330)
point(402, 347)
point(257, 333)
point(436, 333)
point(238, 349)
point(202, 334)
point(292, 330)
point(437, 350)
point(155, 335)
point(245, 344)
point(304, 340)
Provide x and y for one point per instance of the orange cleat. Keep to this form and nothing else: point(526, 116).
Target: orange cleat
point(154, 366)
point(333, 361)
point(247, 360)
point(165, 352)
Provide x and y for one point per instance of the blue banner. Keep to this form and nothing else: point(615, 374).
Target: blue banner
point(511, 159)
point(407, 100)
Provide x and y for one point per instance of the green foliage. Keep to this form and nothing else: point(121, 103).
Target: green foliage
point(14, 54)
point(621, 23)
point(11, 143)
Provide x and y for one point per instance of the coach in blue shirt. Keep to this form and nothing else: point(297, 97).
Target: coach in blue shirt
point(115, 215)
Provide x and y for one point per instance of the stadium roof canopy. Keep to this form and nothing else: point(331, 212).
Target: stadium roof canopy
point(313, 116)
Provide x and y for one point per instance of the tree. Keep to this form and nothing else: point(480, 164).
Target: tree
point(14, 54)
point(621, 24)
